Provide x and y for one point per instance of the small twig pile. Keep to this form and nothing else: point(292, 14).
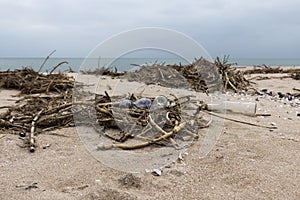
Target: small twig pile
point(232, 78)
point(158, 74)
point(143, 127)
point(29, 81)
point(294, 73)
point(46, 105)
point(201, 75)
point(103, 71)
point(194, 75)
point(263, 69)
point(296, 76)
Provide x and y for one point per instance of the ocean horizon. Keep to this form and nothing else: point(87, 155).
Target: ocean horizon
point(122, 64)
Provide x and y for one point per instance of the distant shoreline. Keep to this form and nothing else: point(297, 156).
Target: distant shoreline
point(124, 64)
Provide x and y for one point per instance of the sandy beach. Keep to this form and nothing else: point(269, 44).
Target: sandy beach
point(247, 162)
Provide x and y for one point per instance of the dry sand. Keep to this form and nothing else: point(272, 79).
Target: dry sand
point(246, 163)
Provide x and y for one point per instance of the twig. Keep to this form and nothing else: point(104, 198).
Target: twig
point(263, 114)
point(46, 60)
point(296, 89)
point(8, 124)
point(238, 121)
point(176, 129)
point(59, 64)
point(31, 136)
point(161, 74)
point(156, 126)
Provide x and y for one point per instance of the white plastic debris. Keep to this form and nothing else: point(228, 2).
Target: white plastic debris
point(156, 172)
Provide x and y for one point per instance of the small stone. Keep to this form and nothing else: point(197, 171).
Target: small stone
point(273, 124)
point(280, 95)
point(298, 114)
point(22, 135)
point(46, 146)
point(293, 104)
point(280, 134)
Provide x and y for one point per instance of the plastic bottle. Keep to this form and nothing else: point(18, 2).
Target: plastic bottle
point(246, 108)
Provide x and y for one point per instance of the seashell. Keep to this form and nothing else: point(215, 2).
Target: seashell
point(126, 103)
point(156, 172)
point(143, 103)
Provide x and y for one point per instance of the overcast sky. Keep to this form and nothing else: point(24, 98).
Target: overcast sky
point(243, 29)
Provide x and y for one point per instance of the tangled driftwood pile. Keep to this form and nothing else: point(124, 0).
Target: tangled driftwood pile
point(201, 75)
point(103, 71)
point(29, 81)
point(232, 78)
point(264, 69)
point(144, 126)
point(46, 103)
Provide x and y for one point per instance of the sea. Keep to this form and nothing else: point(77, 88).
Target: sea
point(121, 64)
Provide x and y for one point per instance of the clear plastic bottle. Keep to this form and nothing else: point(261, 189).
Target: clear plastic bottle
point(246, 108)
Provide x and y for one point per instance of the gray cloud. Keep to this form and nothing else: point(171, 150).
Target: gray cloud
point(264, 28)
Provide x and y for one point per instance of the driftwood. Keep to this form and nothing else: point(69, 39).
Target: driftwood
point(53, 108)
point(264, 69)
point(42, 65)
point(232, 78)
point(296, 75)
point(46, 104)
point(103, 71)
point(31, 136)
point(30, 82)
point(201, 75)
point(241, 122)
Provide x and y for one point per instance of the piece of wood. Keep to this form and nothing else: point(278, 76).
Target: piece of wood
point(42, 65)
point(32, 130)
point(56, 66)
point(239, 121)
point(166, 135)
